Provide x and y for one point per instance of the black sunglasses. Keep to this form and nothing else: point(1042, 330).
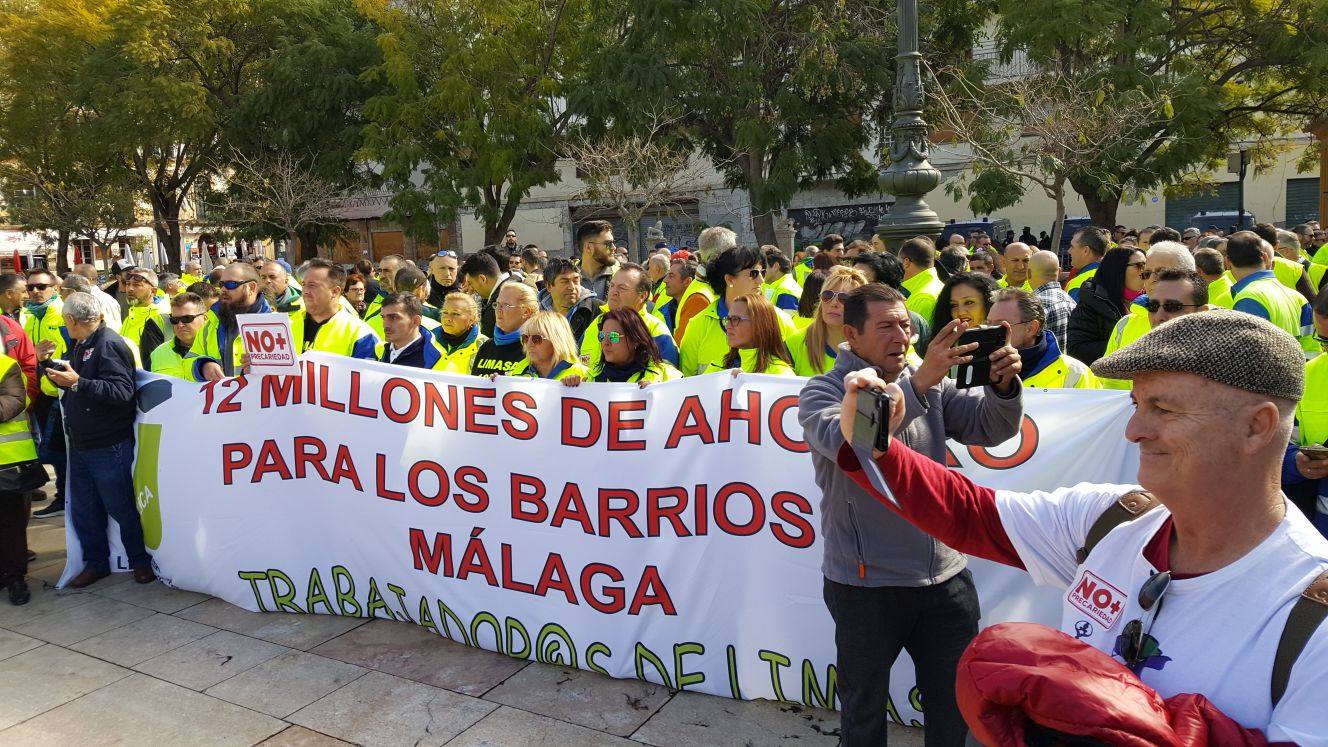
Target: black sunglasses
point(38, 286)
point(1171, 307)
point(1139, 643)
point(184, 319)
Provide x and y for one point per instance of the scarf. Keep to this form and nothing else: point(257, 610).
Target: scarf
point(618, 373)
point(288, 297)
point(558, 368)
point(39, 309)
point(453, 343)
point(506, 338)
point(1030, 357)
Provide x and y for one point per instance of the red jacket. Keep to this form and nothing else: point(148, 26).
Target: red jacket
point(1017, 676)
point(19, 347)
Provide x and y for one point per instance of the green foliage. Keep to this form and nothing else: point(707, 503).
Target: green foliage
point(780, 96)
point(1236, 70)
point(472, 113)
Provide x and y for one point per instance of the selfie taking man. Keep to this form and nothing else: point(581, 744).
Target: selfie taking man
point(1210, 583)
point(888, 586)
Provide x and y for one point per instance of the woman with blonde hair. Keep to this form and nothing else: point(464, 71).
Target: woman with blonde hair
point(459, 334)
point(551, 351)
point(756, 343)
point(814, 349)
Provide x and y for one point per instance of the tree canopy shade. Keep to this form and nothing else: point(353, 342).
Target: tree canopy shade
point(164, 87)
point(1233, 69)
point(474, 112)
point(779, 95)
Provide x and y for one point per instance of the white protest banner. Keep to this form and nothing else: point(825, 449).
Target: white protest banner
point(669, 533)
point(269, 344)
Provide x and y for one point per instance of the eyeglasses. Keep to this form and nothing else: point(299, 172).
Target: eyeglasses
point(1171, 307)
point(609, 244)
point(185, 319)
point(1138, 644)
point(613, 338)
point(38, 286)
point(828, 296)
point(1136, 264)
point(231, 285)
point(532, 339)
point(735, 319)
point(500, 306)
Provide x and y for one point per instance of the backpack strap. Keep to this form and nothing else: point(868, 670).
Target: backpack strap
point(1129, 507)
point(1306, 616)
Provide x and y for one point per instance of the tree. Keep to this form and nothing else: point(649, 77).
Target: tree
point(1038, 130)
point(56, 174)
point(278, 196)
point(1236, 70)
point(164, 85)
point(781, 95)
point(635, 175)
point(474, 113)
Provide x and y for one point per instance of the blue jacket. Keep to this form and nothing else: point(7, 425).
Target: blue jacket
point(100, 411)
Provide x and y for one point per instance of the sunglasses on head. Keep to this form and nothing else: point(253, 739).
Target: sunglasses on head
point(1171, 307)
point(446, 253)
point(184, 319)
point(611, 337)
point(231, 285)
point(532, 339)
point(1138, 643)
point(38, 286)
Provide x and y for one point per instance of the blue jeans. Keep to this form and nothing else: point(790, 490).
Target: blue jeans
point(52, 446)
point(102, 484)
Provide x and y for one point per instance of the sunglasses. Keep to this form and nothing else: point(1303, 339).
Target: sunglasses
point(38, 286)
point(735, 319)
point(1138, 264)
point(185, 319)
point(828, 296)
point(532, 339)
point(756, 273)
point(1139, 643)
point(231, 285)
point(446, 253)
point(1171, 307)
point(611, 337)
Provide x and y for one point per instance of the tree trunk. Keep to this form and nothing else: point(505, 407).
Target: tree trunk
point(763, 219)
point(62, 253)
point(1102, 202)
point(308, 239)
point(634, 250)
point(1058, 223)
point(166, 226)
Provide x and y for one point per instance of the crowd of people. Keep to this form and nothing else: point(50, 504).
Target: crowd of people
point(833, 308)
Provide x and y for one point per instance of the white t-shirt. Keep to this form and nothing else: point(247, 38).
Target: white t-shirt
point(1216, 633)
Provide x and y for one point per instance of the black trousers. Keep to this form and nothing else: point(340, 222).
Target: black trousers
point(934, 624)
point(14, 509)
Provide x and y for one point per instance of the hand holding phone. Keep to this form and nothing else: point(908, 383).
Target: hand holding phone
point(1315, 451)
point(977, 372)
point(871, 422)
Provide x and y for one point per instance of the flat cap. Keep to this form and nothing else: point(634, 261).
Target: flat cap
point(1229, 347)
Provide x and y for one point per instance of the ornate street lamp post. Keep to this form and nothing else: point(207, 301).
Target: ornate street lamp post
point(910, 175)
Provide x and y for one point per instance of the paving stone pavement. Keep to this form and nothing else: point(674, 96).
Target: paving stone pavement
point(121, 663)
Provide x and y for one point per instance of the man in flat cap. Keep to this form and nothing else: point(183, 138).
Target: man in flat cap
point(1202, 578)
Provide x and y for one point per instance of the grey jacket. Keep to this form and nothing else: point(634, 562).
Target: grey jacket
point(867, 544)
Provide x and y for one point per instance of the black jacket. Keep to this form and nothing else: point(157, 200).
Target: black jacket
point(582, 313)
point(488, 308)
point(99, 411)
point(1091, 323)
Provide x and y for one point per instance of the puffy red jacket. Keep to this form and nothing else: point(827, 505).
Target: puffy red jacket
point(1016, 673)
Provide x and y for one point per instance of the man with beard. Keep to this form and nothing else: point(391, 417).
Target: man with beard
point(594, 242)
point(218, 347)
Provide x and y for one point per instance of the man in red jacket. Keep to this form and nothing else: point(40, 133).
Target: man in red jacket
point(19, 347)
point(1192, 591)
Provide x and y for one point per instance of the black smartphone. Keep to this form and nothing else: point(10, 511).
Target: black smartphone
point(978, 371)
point(57, 365)
point(871, 423)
